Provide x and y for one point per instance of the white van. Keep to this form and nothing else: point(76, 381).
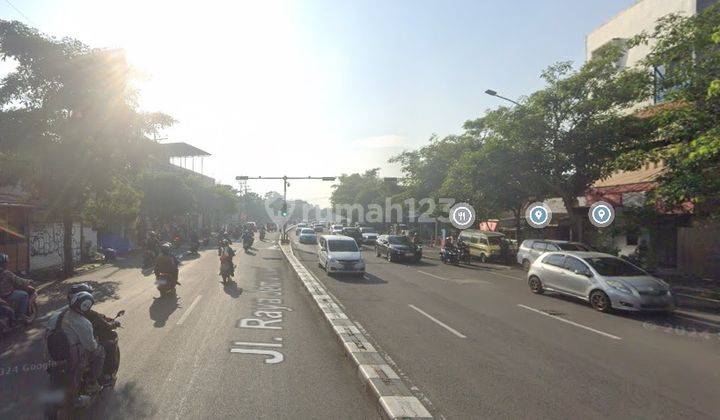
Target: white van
point(340, 254)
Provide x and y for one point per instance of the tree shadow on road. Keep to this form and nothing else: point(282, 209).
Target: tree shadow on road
point(162, 308)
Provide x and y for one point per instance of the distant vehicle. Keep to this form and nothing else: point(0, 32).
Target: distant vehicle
point(252, 226)
point(369, 235)
point(530, 249)
point(271, 227)
point(354, 233)
point(301, 225)
point(483, 245)
point(336, 229)
point(603, 280)
point(307, 236)
point(319, 228)
point(397, 247)
point(340, 254)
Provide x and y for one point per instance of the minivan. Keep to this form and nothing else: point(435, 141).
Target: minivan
point(483, 245)
point(340, 254)
point(530, 249)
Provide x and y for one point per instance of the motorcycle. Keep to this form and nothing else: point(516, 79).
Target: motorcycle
point(68, 387)
point(450, 256)
point(148, 258)
point(164, 284)
point(262, 235)
point(9, 325)
point(194, 247)
point(225, 269)
point(247, 242)
point(464, 256)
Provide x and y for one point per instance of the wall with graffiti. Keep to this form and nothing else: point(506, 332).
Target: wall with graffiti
point(46, 244)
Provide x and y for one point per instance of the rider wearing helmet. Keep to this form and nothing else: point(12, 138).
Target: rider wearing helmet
point(167, 263)
point(79, 332)
point(102, 329)
point(12, 291)
point(226, 252)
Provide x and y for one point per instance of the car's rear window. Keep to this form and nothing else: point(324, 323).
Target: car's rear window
point(342, 246)
point(307, 231)
point(398, 240)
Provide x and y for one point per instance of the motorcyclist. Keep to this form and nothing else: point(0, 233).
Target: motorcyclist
point(80, 334)
point(12, 293)
point(449, 246)
point(262, 232)
point(227, 253)
point(102, 329)
point(153, 243)
point(167, 263)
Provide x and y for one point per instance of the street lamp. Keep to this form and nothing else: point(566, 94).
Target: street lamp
point(495, 94)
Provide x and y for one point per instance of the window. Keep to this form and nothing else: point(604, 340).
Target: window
point(343, 246)
point(399, 240)
point(554, 259)
point(552, 247)
point(573, 247)
point(575, 265)
point(473, 240)
point(539, 246)
point(610, 266)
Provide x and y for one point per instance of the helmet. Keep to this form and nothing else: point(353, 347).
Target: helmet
point(82, 301)
point(4, 260)
point(77, 288)
point(165, 248)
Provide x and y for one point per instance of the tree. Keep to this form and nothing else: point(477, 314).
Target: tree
point(69, 112)
point(685, 57)
point(501, 175)
point(166, 196)
point(581, 122)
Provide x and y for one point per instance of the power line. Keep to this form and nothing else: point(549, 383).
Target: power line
point(21, 13)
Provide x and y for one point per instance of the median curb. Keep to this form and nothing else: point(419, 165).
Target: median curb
point(394, 398)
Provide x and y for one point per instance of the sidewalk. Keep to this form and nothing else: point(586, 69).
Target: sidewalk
point(693, 292)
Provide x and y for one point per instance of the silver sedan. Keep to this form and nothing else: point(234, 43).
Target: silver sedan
point(607, 282)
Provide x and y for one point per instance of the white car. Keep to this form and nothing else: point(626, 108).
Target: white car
point(336, 229)
point(340, 254)
point(369, 234)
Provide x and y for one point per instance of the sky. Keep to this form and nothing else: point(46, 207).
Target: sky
point(323, 88)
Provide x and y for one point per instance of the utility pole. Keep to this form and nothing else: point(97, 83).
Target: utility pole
point(284, 211)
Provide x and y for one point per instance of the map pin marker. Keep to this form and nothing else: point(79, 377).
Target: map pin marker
point(601, 213)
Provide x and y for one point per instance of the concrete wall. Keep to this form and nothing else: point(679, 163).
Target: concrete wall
point(46, 244)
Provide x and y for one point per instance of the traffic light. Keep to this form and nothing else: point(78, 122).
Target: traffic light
point(283, 211)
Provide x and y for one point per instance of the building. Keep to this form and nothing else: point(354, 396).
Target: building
point(627, 189)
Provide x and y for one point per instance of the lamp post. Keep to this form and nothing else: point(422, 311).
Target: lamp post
point(495, 94)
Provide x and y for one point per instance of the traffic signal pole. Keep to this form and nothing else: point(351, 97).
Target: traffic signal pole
point(285, 178)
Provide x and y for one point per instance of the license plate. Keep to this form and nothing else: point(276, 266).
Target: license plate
point(409, 254)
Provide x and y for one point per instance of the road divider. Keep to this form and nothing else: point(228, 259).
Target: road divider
point(567, 321)
point(394, 398)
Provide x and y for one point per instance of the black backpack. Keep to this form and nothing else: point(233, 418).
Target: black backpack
point(58, 343)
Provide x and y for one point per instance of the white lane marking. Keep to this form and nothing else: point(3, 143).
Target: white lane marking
point(247, 343)
point(437, 321)
point(187, 313)
point(614, 337)
point(431, 275)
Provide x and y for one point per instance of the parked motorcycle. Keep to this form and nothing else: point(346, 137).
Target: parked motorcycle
point(9, 325)
point(68, 387)
point(164, 284)
point(194, 247)
point(464, 256)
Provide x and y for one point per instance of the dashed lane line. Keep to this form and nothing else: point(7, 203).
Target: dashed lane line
point(187, 313)
point(440, 323)
point(567, 321)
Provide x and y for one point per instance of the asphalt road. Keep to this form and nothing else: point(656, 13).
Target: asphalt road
point(478, 344)
point(195, 357)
